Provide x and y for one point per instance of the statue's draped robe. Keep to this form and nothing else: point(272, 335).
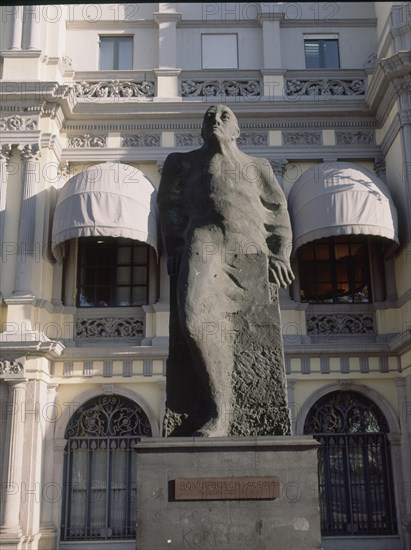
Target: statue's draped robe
point(223, 309)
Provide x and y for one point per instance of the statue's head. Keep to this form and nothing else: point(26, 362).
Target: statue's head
point(220, 122)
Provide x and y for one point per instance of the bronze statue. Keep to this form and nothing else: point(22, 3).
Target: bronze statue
point(227, 237)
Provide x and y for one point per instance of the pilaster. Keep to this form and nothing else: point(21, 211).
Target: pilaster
point(5, 152)
point(10, 529)
point(26, 235)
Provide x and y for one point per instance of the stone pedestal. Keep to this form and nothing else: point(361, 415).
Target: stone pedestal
point(236, 511)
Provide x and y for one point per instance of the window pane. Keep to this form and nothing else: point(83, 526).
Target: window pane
point(330, 54)
point(106, 53)
point(219, 51)
point(125, 53)
point(312, 54)
point(108, 271)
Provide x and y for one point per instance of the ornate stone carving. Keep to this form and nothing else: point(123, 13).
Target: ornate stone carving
point(339, 323)
point(16, 122)
point(278, 166)
point(325, 87)
point(5, 152)
point(109, 327)
point(302, 138)
point(188, 140)
point(355, 138)
point(252, 138)
point(379, 166)
point(63, 170)
point(30, 151)
point(11, 367)
point(141, 140)
point(246, 88)
point(114, 88)
point(86, 141)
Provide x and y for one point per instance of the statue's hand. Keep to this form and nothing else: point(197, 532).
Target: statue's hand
point(173, 264)
point(280, 272)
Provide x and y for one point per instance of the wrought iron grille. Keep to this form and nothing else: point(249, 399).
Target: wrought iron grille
point(354, 466)
point(100, 470)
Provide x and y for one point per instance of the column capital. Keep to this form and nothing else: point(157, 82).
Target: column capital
point(30, 151)
point(5, 152)
point(278, 166)
point(63, 169)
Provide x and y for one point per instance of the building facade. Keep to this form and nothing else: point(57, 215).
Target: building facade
point(93, 99)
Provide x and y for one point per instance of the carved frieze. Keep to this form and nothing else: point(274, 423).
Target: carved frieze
point(114, 88)
point(339, 323)
point(325, 87)
point(12, 367)
point(210, 88)
point(188, 140)
point(302, 138)
point(16, 122)
point(252, 139)
point(86, 140)
point(354, 138)
point(109, 327)
point(140, 140)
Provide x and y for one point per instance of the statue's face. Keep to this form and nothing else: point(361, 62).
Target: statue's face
point(221, 122)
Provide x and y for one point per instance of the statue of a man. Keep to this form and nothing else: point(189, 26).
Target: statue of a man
point(227, 237)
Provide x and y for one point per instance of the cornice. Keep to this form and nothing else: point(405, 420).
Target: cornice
point(329, 22)
point(112, 25)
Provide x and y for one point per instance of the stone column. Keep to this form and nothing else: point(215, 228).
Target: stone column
point(12, 475)
point(32, 14)
point(63, 173)
point(26, 244)
point(5, 151)
point(17, 31)
point(51, 492)
point(167, 73)
point(59, 449)
point(273, 73)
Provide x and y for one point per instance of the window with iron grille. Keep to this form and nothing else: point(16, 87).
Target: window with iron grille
point(354, 466)
point(99, 501)
point(335, 270)
point(112, 272)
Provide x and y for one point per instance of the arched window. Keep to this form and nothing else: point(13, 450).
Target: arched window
point(100, 469)
point(354, 466)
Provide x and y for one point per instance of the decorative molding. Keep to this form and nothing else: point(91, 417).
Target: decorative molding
point(355, 138)
point(16, 122)
point(109, 327)
point(86, 141)
point(229, 88)
point(252, 139)
point(339, 323)
point(325, 87)
point(188, 140)
point(114, 88)
point(140, 140)
point(302, 138)
point(12, 367)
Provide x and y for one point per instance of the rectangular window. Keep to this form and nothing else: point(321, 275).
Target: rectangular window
point(321, 53)
point(112, 272)
point(219, 51)
point(335, 270)
point(116, 53)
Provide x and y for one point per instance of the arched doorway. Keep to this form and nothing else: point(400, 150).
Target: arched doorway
point(354, 465)
point(100, 469)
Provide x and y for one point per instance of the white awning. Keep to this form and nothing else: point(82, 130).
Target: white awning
point(106, 200)
point(340, 198)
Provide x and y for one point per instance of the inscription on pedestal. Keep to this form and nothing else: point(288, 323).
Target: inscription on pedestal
point(227, 488)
